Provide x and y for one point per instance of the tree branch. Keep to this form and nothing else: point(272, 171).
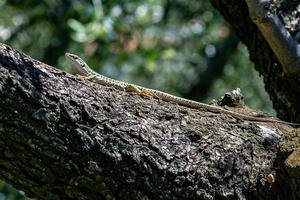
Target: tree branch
point(284, 90)
point(284, 46)
point(61, 138)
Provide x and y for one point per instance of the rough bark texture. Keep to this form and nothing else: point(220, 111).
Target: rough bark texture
point(61, 138)
point(284, 91)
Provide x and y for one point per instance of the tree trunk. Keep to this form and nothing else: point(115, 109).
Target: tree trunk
point(62, 138)
point(284, 91)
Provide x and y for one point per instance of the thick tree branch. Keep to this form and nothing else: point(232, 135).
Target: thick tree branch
point(61, 138)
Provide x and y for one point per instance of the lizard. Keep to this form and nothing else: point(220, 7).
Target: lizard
point(87, 73)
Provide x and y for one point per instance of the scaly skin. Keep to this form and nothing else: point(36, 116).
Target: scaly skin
point(86, 71)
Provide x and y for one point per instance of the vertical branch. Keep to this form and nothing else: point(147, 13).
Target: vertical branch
point(284, 46)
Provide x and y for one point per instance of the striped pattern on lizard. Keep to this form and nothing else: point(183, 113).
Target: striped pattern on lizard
point(84, 70)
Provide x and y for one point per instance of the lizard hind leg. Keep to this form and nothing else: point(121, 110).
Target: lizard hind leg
point(132, 88)
point(89, 77)
point(143, 93)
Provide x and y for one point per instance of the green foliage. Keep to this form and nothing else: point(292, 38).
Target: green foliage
point(162, 44)
point(252, 85)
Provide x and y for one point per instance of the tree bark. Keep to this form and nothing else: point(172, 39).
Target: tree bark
point(284, 91)
point(62, 138)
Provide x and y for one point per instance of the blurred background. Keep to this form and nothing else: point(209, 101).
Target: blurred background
point(183, 47)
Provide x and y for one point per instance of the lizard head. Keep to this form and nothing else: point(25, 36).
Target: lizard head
point(77, 62)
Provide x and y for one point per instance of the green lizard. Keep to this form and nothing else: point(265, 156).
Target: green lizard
point(90, 74)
